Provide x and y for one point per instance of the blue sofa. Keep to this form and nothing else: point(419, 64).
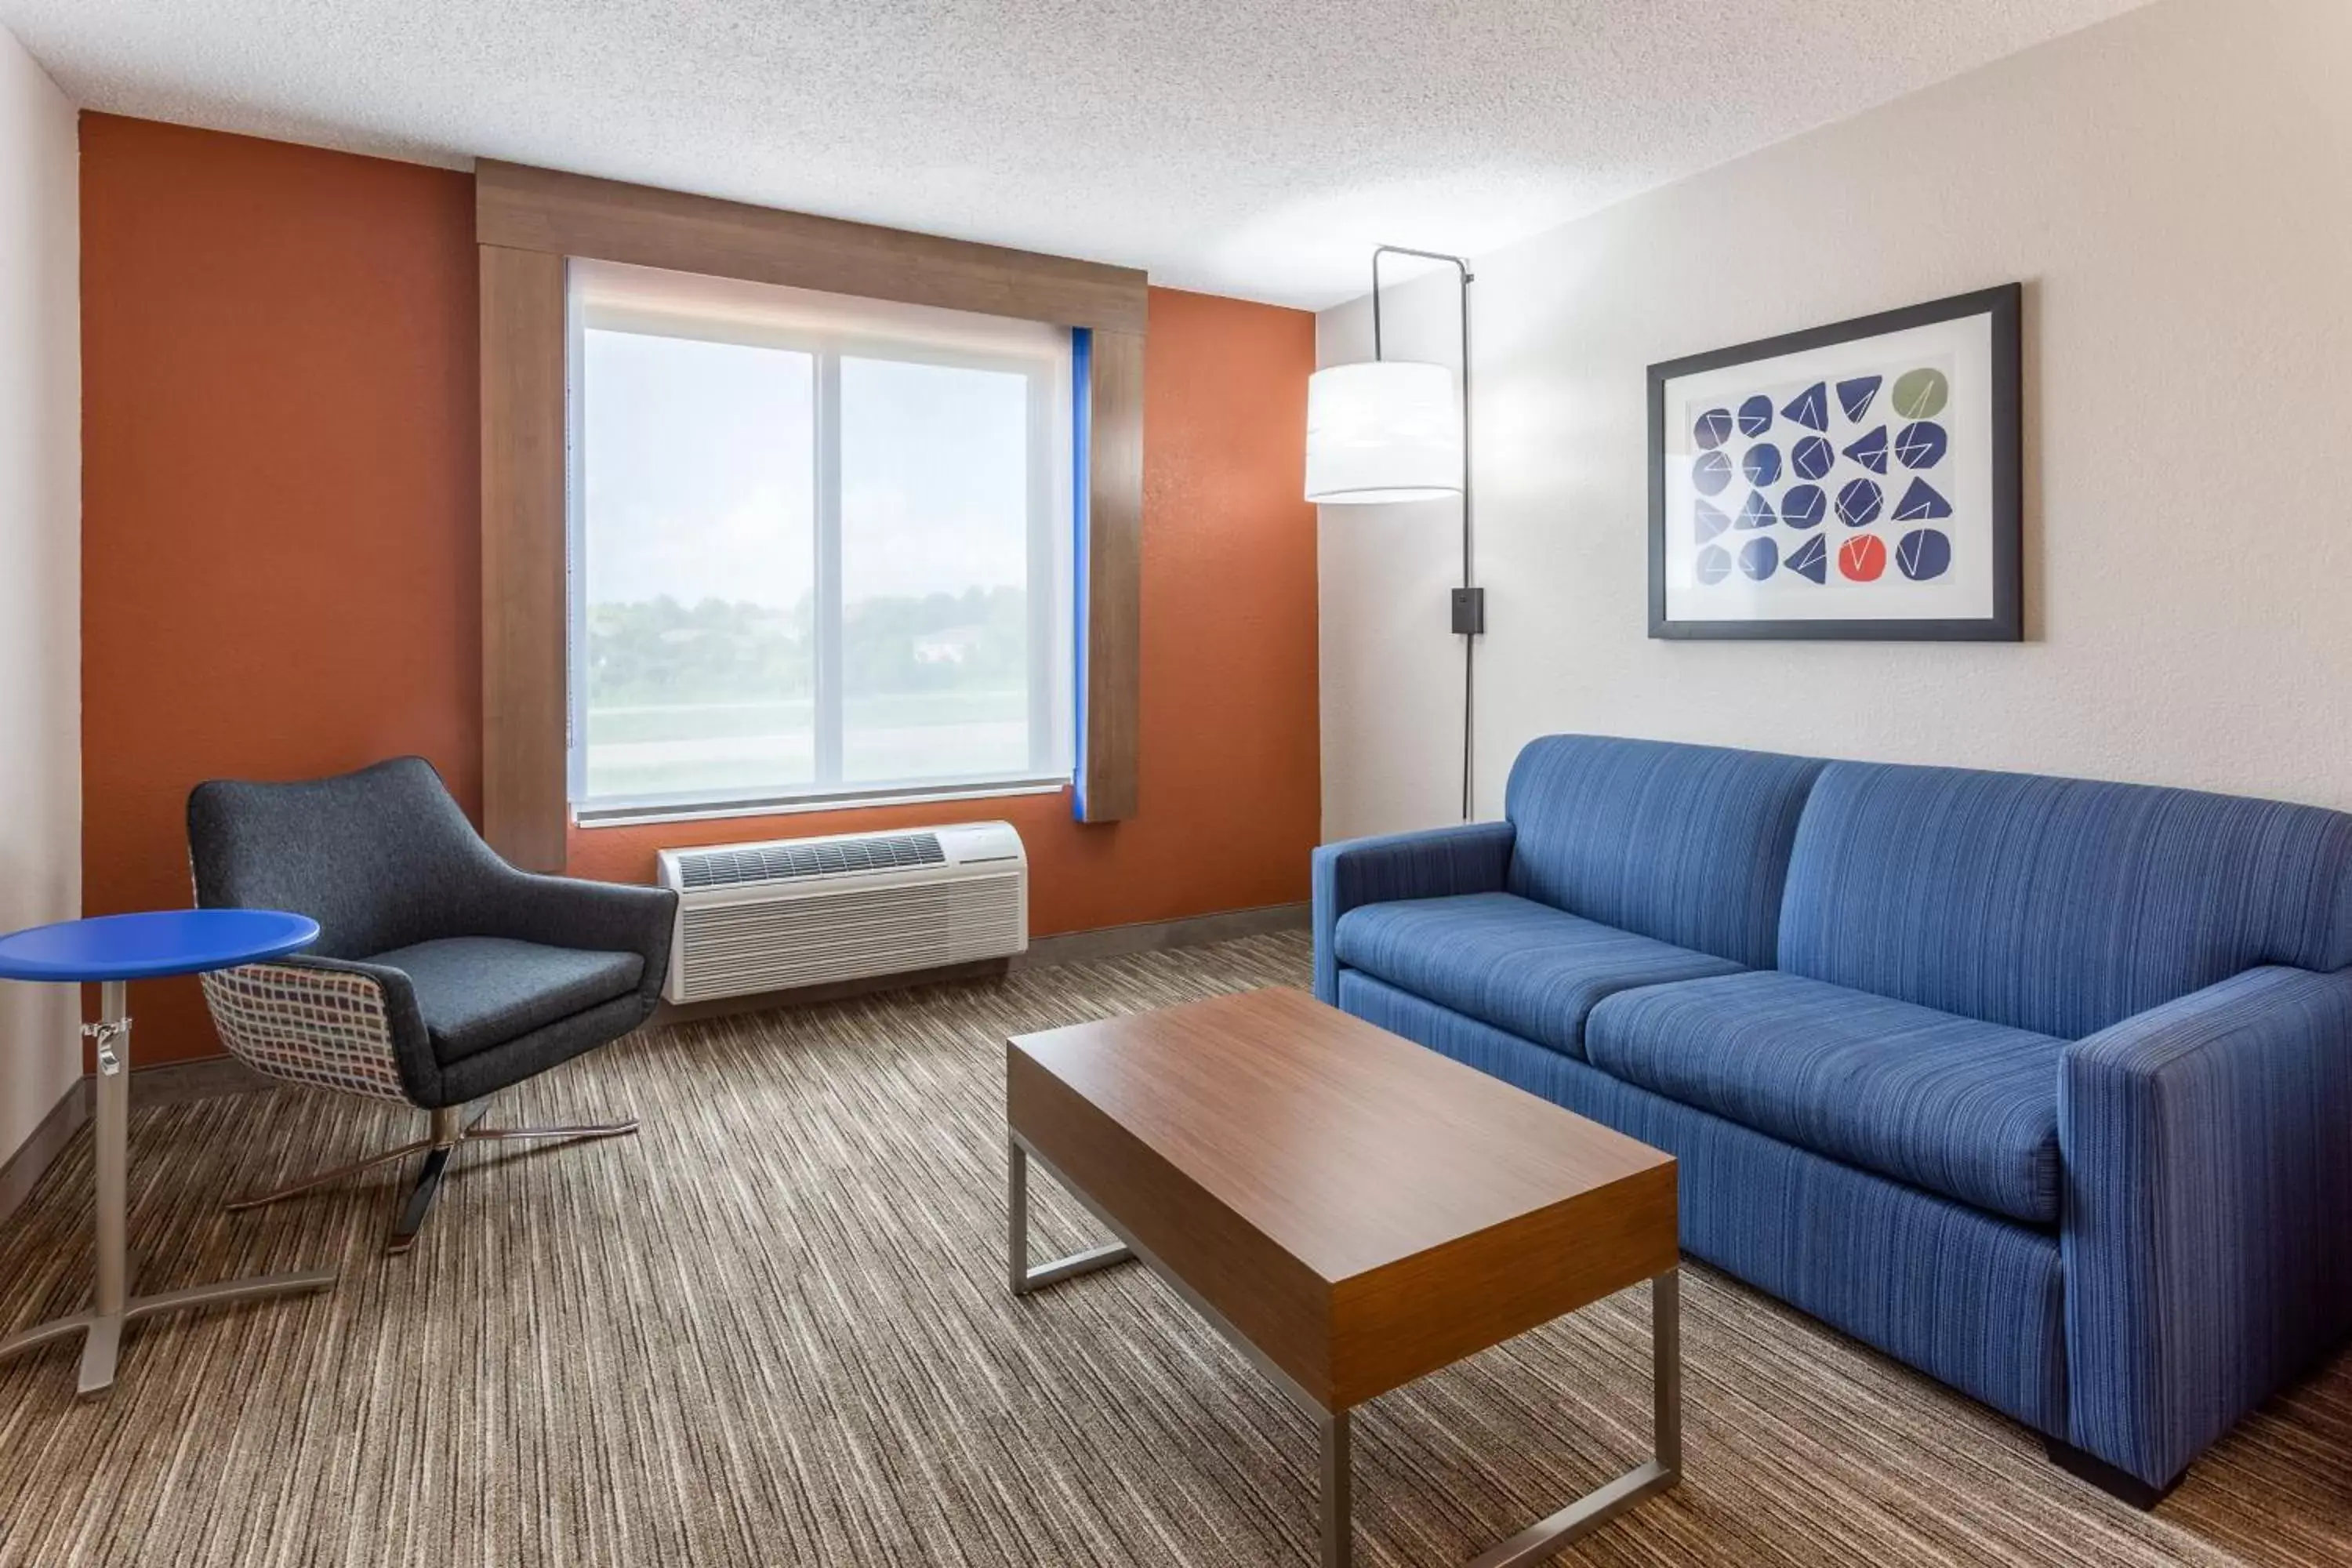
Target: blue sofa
point(2041, 1085)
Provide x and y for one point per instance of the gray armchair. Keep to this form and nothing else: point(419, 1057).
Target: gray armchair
point(441, 974)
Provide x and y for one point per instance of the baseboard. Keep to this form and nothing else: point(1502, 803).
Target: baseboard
point(50, 1135)
point(1067, 947)
point(1150, 936)
point(832, 990)
point(163, 1083)
point(205, 1078)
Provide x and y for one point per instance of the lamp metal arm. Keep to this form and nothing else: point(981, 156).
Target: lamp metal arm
point(1470, 607)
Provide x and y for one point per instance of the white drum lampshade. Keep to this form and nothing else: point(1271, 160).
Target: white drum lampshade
point(1386, 430)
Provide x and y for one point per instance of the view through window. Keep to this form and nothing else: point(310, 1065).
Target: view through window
point(820, 546)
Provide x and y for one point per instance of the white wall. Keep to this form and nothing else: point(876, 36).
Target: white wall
point(41, 575)
point(2172, 188)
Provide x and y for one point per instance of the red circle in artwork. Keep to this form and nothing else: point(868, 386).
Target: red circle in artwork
point(1862, 558)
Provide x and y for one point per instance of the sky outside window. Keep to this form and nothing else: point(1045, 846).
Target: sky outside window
point(699, 520)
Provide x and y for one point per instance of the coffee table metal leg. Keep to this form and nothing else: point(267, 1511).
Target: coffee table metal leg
point(1666, 1370)
point(1538, 1543)
point(1019, 1275)
point(1016, 1206)
point(1588, 1514)
point(1338, 1529)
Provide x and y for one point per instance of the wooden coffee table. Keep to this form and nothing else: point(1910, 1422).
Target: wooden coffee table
point(1350, 1210)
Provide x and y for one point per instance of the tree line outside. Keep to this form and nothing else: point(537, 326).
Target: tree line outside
point(650, 655)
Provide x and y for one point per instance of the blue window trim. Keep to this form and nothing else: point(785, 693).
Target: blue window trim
point(1082, 343)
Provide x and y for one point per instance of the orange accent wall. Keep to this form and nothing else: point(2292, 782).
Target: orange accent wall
point(281, 536)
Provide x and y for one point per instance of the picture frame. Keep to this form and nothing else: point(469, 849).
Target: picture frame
point(1859, 481)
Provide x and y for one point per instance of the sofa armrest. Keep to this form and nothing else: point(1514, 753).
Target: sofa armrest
point(2207, 1221)
point(1440, 862)
point(609, 917)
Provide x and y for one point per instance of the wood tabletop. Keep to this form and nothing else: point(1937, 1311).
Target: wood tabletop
point(1362, 1209)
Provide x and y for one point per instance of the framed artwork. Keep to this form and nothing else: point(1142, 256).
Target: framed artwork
point(1853, 482)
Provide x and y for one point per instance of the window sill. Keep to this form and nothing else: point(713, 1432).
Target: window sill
point(625, 815)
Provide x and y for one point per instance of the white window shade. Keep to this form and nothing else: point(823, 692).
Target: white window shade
point(1389, 430)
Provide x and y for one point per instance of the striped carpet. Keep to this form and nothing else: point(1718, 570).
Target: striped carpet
point(772, 1329)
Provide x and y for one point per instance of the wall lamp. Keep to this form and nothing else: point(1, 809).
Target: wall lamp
point(1394, 430)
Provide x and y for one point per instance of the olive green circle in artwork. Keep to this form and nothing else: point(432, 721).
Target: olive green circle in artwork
point(1921, 394)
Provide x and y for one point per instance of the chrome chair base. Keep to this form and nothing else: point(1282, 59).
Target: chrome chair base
point(450, 1130)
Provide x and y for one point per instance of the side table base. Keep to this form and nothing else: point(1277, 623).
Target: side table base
point(102, 1335)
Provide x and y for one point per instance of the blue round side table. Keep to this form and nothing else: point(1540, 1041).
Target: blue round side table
point(112, 950)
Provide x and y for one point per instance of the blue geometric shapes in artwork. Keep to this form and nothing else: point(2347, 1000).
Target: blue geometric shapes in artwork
point(1759, 557)
point(1920, 446)
point(1804, 506)
point(1811, 458)
point(1811, 407)
point(1855, 396)
point(1762, 464)
point(1812, 559)
point(1871, 450)
point(1713, 428)
point(1922, 503)
point(1711, 473)
point(1925, 553)
point(1708, 521)
point(1757, 512)
point(1756, 415)
point(1859, 503)
point(1713, 564)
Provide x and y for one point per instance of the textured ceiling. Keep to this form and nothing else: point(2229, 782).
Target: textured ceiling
point(1248, 147)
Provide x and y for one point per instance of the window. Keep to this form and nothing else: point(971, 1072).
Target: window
point(819, 547)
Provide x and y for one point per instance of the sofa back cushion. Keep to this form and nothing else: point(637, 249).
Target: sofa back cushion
point(2056, 905)
point(1685, 844)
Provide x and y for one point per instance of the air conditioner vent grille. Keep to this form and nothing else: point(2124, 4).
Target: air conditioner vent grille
point(794, 913)
point(794, 862)
point(778, 943)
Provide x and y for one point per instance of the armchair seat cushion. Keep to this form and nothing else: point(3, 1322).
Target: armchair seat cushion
point(476, 992)
point(1510, 962)
point(1965, 1109)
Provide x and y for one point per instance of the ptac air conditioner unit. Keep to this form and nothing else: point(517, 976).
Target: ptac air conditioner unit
point(803, 911)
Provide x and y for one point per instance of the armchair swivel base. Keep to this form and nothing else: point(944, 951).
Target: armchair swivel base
point(449, 1128)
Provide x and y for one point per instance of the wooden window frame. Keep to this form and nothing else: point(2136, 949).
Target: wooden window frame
point(528, 222)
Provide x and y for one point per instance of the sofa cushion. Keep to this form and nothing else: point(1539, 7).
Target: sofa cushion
point(1509, 962)
point(1689, 845)
point(1969, 1296)
point(2057, 905)
point(1962, 1108)
point(476, 992)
